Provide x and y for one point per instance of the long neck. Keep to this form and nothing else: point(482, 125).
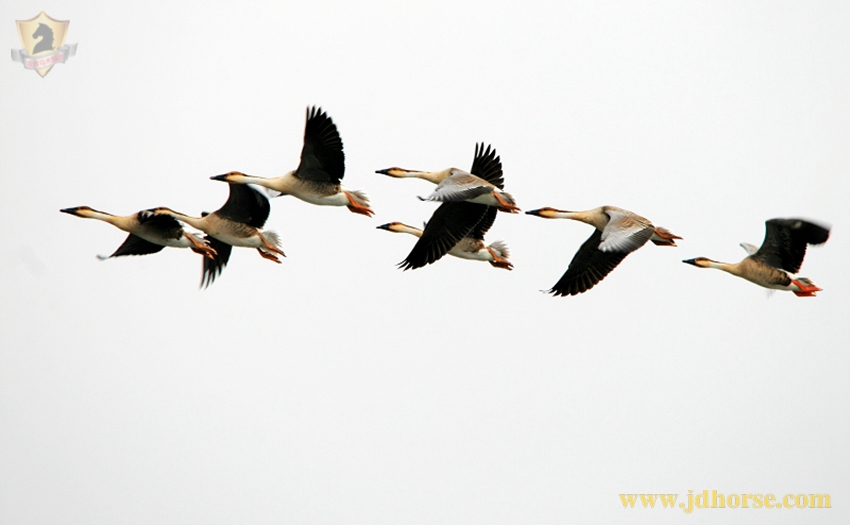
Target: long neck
point(195, 222)
point(404, 228)
point(121, 222)
point(734, 269)
point(595, 217)
point(283, 184)
point(431, 176)
point(241, 178)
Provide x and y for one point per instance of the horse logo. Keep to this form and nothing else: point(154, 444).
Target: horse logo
point(43, 39)
point(46, 43)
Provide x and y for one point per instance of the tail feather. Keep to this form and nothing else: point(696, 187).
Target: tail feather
point(359, 203)
point(502, 249)
point(806, 287)
point(663, 237)
point(359, 196)
point(273, 238)
point(508, 198)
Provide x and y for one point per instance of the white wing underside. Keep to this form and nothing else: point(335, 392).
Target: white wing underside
point(459, 187)
point(270, 193)
point(749, 248)
point(624, 233)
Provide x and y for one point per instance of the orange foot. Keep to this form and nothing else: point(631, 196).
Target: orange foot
point(198, 247)
point(505, 205)
point(807, 288)
point(665, 238)
point(356, 207)
point(269, 256)
point(271, 248)
point(207, 252)
point(499, 262)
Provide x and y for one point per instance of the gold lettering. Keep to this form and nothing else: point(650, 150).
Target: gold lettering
point(702, 500)
point(820, 499)
point(785, 501)
point(628, 500)
point(714, 504)
point(690, 507)
point(650, 497)
point(668, 498)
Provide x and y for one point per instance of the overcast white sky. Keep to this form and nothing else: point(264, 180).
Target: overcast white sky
point(334, 388)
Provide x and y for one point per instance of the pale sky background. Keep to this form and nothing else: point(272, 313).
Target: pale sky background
point(335, 388)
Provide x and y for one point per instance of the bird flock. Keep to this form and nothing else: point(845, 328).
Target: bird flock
point(470, 202)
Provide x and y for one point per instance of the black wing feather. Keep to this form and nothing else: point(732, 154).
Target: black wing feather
point(785, 242)
point(484, 224)
point(451, 222)
point(213, 267)
point(164, 226)
point(245, 205)
point(588, 267)
point(488, 166)
point(135, 245)
point(322, 158)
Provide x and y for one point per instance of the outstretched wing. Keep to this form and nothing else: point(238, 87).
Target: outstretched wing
point(460, 186)
point(625, 232)
point(588, 267)
point(484, 224)
point(164, 226)
point(451, 222)
point(785, 242)
point(322, 158)
point(246, 205)
point(214, 266)
point(135, 245)
point(488, 166)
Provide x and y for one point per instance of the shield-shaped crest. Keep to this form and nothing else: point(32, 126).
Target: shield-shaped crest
point(43, 39)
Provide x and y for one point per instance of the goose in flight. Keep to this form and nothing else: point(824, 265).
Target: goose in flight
point(780, 257)
point(319, 175)
point(470, 247)
point(148, 234)
point(455, 220)
point(456, 185)
point(617, 233)
point(237, 223)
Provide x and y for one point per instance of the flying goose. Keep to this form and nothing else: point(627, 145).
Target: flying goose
point(453, 221)
point(618, 233)
point(237, 223)
point(779, 258)
point(470, 247)
point(148, 234)
point(319, 174)
point(456, 185)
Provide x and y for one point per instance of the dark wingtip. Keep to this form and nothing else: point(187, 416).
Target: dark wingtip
point(406, 265)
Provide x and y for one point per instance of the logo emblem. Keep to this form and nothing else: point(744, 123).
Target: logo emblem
point(43, 39)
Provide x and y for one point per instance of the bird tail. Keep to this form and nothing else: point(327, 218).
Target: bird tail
point(663, 237)
point(501, 248)
point(359, 203)
point(360, 197)
point(806, 288)
point(508, 198)
point(273, 239)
